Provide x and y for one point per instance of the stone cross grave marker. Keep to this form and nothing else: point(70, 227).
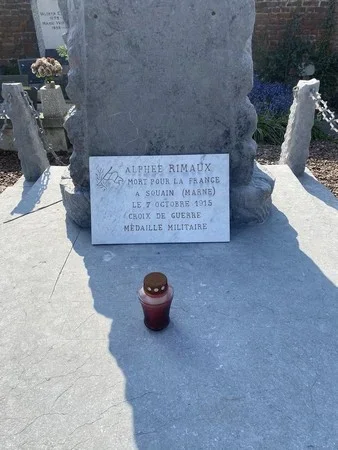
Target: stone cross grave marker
point(160, 199)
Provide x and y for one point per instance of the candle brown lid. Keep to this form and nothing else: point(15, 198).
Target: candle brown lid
point(155, 283)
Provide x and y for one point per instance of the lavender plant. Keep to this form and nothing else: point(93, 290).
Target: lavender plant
point(273, 102)
point(271, 98)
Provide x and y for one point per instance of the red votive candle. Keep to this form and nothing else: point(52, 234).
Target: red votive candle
point(156, 296)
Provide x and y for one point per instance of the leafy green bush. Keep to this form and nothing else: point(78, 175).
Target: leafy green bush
point(62, 52)
point(271, 130)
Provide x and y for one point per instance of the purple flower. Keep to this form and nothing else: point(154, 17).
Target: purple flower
point(271, 98)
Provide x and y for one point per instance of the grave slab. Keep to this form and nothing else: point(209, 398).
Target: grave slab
point(34, 196)
point(249, 360)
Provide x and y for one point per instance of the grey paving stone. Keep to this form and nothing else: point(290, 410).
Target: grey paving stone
point(25, 198)
point(249, 360)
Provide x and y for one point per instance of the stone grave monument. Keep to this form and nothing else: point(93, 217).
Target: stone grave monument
point(163, 78)
point(49, 24)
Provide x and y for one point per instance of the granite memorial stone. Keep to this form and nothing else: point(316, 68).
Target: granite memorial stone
point(160, 199)
point(163, 78)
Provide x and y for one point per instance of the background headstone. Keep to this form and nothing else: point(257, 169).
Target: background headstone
point(152, 78)
point(49, 25)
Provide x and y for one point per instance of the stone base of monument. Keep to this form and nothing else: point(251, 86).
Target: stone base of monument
point(76, 201)
point(253, 203)
point(248, 361)
point(249, 204)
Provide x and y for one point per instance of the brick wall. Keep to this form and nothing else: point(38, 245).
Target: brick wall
point(274, 16)
point(18, 38)
point(17, 31)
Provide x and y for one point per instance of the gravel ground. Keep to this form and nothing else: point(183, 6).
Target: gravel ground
point(10, 169)
point(323, 163)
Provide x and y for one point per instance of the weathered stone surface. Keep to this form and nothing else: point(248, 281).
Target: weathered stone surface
point(252, 203)
point(75, 121)
point(30, 148)
point(63, 6)
point(53, 102)
point(56, 138)
point(152, 78)
point(76, 200)
point(295, 149)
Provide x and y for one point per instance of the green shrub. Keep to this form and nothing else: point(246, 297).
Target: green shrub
point(271, 130)
point(62, 52)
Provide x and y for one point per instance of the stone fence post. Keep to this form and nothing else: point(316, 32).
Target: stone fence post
point(31, 152)
point(295, 149)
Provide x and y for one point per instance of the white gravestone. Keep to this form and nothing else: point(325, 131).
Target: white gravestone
point(160, 199)
point(49, 24)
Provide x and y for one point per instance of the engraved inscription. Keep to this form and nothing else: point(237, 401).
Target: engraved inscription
point(160, 199)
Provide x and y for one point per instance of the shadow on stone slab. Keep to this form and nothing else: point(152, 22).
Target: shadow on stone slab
point(28, 202)
point(248, 359)
point(315, 188)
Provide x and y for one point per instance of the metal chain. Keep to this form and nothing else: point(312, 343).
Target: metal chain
point(47, 145)
point(5, 125)
point(324, 110)
point(5, 117)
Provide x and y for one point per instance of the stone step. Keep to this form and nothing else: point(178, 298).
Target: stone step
point(24, 198)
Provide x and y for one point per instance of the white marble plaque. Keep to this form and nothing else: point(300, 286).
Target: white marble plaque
point(160, 199)
point(49, 24)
